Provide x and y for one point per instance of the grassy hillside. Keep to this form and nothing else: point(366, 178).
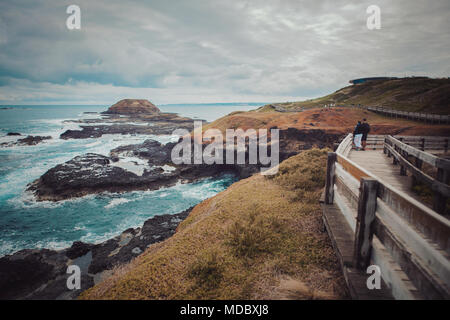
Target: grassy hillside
point(407, 94)
point(333, 120)
point(261, 238)
point(412, 94)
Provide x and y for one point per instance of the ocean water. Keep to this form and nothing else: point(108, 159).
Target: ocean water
point(26, 223)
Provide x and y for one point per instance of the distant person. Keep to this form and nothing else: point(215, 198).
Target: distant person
point(357, 136)
point(365, 129)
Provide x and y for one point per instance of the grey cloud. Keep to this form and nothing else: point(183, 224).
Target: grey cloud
point(242, 49)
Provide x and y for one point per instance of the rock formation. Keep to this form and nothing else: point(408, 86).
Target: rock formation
point(132, 106)
point(42, 273)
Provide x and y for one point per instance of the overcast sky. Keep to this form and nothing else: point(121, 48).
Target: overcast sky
point(212, 51)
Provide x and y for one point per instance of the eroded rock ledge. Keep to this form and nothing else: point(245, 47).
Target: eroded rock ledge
point(130, 116)
point(27, 141)
point(41, 273)
point(93, 173)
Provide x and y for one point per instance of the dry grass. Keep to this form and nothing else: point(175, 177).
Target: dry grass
point(333, 120)
point(242, 244)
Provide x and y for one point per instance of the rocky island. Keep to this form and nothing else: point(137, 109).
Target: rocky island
point(133, 107)
point(130, 116)
point(148, 165)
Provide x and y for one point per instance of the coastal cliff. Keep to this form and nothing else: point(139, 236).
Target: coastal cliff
point(262, 238)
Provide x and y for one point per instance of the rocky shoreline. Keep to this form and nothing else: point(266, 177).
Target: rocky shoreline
point(130, 116)
point(27, 141)
point(41, 273)
point(37, 274)
point(160, 124)
point(150, 168)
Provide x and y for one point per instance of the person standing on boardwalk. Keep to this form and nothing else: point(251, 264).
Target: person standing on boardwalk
point(365, 129)
point(357, 136)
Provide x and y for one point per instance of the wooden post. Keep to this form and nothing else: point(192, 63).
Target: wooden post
point(423, 144)
point(418, 164)
point(329, 183)
point(402, 170)
point(335, 146)
point(402, 167)
point(367, 205)
point(439, 201)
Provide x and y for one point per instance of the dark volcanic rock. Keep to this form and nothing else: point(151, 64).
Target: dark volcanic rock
point(151, 150)
point(94, 173)
point(132, 242)
point(28, 141)
point(294, 141)
point(13, 134)
point(130, 116)
point(27, 270)
point(32, 140)
point(96, 131)
point(78, 249)
point(87, 132)
point(42, 274)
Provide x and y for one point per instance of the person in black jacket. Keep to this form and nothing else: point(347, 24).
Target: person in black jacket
point(365, 129)
point(357, 136)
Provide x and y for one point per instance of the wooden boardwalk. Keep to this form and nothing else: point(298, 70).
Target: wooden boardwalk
point(379, 165)
point(375, 219)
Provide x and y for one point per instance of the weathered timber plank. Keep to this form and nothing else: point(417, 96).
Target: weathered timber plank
point(428, 222)
point(341, 237)
point(352, 168)
point(437, 260)
point(401, 286)
point(367, 204)
point(429, 285)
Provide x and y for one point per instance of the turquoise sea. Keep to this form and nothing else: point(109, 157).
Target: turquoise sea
point(25, 223)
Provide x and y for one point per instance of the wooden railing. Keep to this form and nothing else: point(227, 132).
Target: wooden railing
point(423, 143)
point(411, 159)
point(418, 116)
point(408, 241)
